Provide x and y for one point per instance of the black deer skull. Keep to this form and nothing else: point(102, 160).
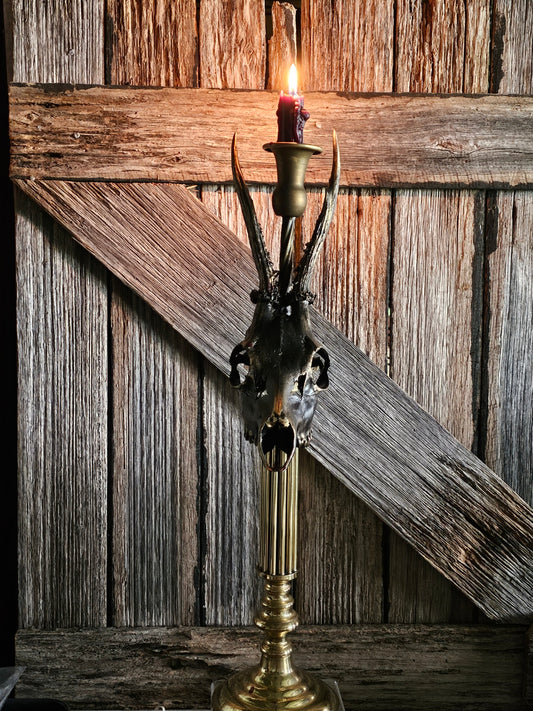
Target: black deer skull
point(279, 367)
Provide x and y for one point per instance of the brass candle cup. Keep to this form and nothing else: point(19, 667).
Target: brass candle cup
point(290, 198)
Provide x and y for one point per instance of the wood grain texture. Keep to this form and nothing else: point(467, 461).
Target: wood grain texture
point(437, 237)
point(231, 584)
point(155, 376)
point(152, 43)
point(443, 46)
point(374, 438)
point(154, 444)
point(509, 266)
point(62, 423)
point(184, 135)
point(232, 57)
point(378, 667)
point(438, 253)
point(232, 43)
point(436, 277)
point(350, 281)
point(282, 46)
point(340, 573)
point(58, 42)
point(509, 274)
point(512, 56)
point(62, 360)
point(350, 42)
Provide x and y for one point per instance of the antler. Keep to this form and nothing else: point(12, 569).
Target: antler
point(255, 233)
point(312, 250)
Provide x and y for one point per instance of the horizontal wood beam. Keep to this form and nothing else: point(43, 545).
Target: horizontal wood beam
point(378, 667)
point(165, 245)
point(184, 135)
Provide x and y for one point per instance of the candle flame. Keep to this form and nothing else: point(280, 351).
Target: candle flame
point(293, 80)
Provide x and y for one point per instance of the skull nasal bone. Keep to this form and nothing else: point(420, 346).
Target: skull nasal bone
point(278, 406)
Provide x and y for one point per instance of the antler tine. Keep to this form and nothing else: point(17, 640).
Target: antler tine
point(312, 250)
point(255, 233)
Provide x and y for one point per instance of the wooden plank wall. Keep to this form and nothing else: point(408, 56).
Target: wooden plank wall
point(155, 374)
point(437, 235)
point(63, 356)
point(137, 491)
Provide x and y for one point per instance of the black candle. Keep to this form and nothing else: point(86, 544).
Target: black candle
point(291, 113)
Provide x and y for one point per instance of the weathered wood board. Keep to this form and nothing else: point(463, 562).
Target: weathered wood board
point(151, 43)
point(377, 667)
point(102, 133)
point(63, 357)
point(155, 397)
point(436, 494)
point(230, 521)
point(508, 440)
point(435, 345)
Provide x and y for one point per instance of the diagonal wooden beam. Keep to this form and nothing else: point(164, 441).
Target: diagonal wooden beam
point(454, 510)
point(183, 135)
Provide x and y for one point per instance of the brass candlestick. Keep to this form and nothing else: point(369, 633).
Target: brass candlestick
point(279, 369)
point(274, 683)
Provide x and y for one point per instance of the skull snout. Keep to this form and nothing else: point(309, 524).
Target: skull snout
point(277, 441)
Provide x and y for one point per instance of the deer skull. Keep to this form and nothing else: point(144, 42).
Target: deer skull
point(279, 367)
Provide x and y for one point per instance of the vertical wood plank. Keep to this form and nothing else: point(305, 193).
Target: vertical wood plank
point(512, 54)
point(509, 275)
point(232, 44)
point(509, 446)
point(59, 41)
point(232, 586)
point(232, 55)
point(154, 492)
point(346, 46)
point(435, 257)
point(62, 307)
point(443, 46)
point(437, 269)
point(152, 43)
point(155, 373)
point(282, 46)
point(62, 345)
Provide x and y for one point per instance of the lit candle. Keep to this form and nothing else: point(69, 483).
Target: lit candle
point(291, 113)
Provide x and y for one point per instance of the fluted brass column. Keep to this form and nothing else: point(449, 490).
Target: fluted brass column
point(279, 518)
point(274, 684)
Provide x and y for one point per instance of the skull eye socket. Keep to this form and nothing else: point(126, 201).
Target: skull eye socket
point(240, 364)
point(320, 366)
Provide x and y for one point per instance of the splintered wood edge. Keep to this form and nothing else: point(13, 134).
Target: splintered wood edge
point(184, 135)
point(461, 517)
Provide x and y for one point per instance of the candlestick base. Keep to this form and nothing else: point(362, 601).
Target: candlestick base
point(307, 693)
point(275, 684)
